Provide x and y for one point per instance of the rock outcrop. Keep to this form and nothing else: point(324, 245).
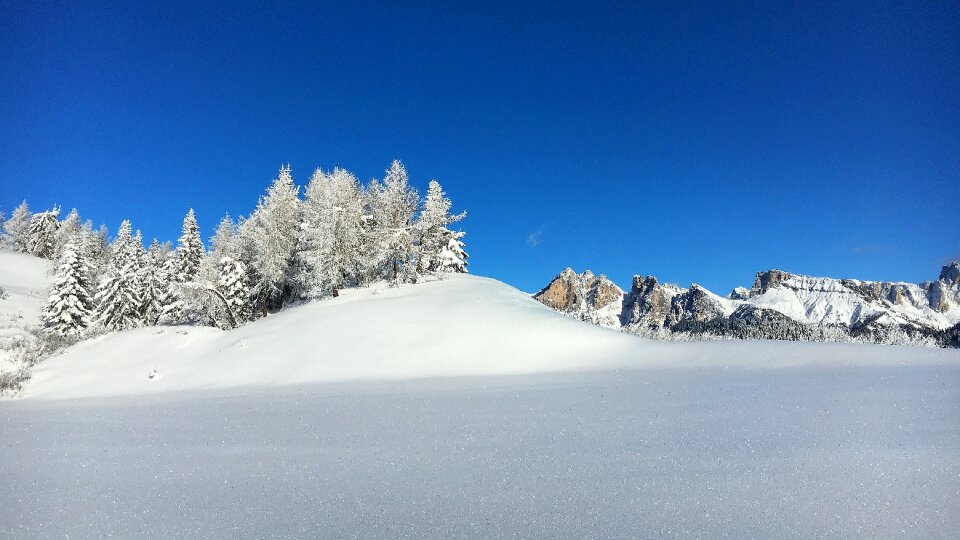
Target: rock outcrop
point(591, 298)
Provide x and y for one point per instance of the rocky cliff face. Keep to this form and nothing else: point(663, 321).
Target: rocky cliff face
point(779, 305)
point(584, 296)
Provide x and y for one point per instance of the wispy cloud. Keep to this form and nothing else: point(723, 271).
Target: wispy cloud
point(870, 248)
point(533, 239)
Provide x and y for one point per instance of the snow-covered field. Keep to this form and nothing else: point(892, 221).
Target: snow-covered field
point(465, 408)
point(25, 279)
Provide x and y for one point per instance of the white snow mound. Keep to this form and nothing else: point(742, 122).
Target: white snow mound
point(460, 326)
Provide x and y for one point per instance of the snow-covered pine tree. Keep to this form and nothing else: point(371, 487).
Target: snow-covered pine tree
point(154, 282)
point(17, 229)
point(435, 237)
point(233, 291)
point(190, 250)
point(43, 231)
point(68, 231)
point(221, 243)
point(185, 302)
point(330, 252)
point(95, 249)
point(393, 206)
point(118, 301)
point(271, 238)
point(68, 310)
point(453, 258)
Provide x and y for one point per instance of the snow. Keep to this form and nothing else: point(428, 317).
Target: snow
point(817, 300)
point(868, 452)
point(461, 326)
point(25, 278)
point(463, 407)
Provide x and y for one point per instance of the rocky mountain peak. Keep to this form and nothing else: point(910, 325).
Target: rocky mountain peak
point(950, 274)
point(768, 280)
point(739, 293)
point(590, 297)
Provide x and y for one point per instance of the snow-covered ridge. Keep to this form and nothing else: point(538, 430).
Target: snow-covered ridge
point(779, 305)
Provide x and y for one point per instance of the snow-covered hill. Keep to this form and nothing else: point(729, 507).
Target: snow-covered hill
point(464, 408)
point(24, 280)
point(463, 325)
point(780, 305)
point(460, 326)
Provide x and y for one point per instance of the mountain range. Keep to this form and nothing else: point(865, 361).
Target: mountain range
point(779, 305)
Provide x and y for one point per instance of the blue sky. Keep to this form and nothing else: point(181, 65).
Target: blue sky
point(692, 141)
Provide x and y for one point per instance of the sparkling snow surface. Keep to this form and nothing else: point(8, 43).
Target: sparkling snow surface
point(465, 408)
point(854, 452)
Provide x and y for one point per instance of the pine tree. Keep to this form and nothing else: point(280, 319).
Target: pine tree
point(43, 231)
point(69, 307)
point(271, 237)
point(68, 231)
point(95, 249)
point(221, 243)
point(330, 252)
point(435, 237)
point(184, 301)
point(393, 205)
point(233, 291)
point(154, 282)
point(17, 229)
point(453, 258)
point(190, 250)
point(118, 301)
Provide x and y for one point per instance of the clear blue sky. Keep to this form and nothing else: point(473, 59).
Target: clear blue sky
point(692, 141)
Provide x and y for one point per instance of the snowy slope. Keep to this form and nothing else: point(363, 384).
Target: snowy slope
point(25, 279)
point(463, 408)
point(463, 325)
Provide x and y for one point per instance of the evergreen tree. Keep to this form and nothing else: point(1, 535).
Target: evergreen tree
point(190, 250)
point(69, 307)
point(393, 206)
point(221, 243)
point(17, 229)
point(271, 237)
point(435, 237)
point(68, 231)
point(453, 258)
point(233, 291)
point(43, 231)
point(330, 255)
point(154, 282)
point(118, 299)
point(95, 249)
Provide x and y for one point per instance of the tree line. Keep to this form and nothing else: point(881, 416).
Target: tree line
point(340, 234)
